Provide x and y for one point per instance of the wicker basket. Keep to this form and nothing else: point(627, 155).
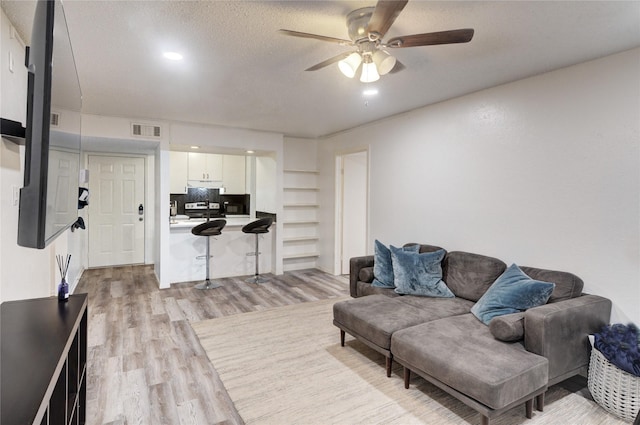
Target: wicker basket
point(617, 391)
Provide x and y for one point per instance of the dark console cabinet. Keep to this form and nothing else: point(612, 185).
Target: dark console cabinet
point(43, 356)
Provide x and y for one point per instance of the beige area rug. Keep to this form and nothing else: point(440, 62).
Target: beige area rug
point(286, 366)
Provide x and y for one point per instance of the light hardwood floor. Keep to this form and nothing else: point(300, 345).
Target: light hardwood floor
point(145, 363)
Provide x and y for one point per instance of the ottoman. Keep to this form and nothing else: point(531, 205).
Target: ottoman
point(374, 318)
point(460, 356)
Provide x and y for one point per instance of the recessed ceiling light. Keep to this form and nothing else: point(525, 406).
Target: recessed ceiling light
point(370, 92)
point(174, 56)
point(195, 147)
point(250, 151)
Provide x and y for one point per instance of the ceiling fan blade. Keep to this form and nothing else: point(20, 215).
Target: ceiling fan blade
point(431, 38)
point(316, 37)
point(328, 61)
point(399, 66)
point(383, 16)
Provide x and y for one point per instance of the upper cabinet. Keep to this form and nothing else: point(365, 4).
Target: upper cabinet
point(233, 174)
point(178, 172)
point(205, 166)
point(227, 171)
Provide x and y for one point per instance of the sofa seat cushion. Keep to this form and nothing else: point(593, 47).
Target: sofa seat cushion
point(365, 289)
point(460, 352)
point(376, 317)
point(438, 308)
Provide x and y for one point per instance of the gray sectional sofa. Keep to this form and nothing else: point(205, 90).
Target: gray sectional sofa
point(493, 368)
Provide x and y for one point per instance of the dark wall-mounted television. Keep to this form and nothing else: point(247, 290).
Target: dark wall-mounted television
point(49, 198)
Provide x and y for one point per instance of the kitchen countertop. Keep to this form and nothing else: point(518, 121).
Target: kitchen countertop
point(235, 221)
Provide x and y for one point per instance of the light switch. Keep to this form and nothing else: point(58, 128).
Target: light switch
point(16, 195)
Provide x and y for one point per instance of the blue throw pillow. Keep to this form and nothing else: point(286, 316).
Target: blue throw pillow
point(512, 292)
point(419, 274)
point(382, 265)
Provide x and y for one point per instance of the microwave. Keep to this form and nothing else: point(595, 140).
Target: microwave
point(235, 209)
point(235, 204)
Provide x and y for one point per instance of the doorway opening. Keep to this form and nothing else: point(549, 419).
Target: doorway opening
point(352, 207)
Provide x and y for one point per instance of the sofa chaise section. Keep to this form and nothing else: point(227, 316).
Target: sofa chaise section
point(460, 356)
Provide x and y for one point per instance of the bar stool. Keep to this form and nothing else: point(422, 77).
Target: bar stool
point(208, 229)
point(257, 227)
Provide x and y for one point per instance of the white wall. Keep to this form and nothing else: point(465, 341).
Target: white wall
point(266, 187)
point(13, 85)
point(542, 172)
point(300, 154)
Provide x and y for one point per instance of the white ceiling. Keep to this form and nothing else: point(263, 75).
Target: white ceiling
point(239, 72)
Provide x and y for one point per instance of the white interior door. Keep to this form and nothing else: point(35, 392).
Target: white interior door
point(116, 224)
point(354, 207)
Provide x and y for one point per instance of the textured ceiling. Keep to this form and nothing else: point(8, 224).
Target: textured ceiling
point(238, 71)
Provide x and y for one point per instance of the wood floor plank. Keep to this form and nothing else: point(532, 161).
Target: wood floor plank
point(164, 409)
point(191, 412)
point(135, 394)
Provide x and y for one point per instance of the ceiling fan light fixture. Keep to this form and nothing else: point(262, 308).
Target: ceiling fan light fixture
point(349, 65)
point(174, 56)
point(384, 62)
point(369, 73)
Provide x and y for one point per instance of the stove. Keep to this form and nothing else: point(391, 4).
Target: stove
point(199, 210)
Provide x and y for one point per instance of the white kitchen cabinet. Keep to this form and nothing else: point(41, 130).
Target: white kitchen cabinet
point(205, 166)
point(178, 172)
point(233, 174)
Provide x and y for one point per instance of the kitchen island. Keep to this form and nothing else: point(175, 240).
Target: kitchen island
point(228, 251)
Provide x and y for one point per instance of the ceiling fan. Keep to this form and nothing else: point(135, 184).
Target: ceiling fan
point(367, 27)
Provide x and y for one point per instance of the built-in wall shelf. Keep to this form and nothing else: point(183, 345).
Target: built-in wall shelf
point(301, 207)
point(301, 255)
point(300, 239)
point(314, 189)
point(301, 171)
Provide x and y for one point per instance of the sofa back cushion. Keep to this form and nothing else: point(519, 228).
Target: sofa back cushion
point(424, 248)
point(567, 285)
point(470, 275)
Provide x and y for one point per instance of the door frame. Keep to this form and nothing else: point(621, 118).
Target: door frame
point(149, 202)
point(339, 202)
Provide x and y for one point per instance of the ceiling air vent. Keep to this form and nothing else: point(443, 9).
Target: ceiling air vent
point(145, 130)
point(55, 119)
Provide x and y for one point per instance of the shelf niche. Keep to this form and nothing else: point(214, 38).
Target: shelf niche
point(300, 203)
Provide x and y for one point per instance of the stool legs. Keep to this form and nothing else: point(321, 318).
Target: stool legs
point(257, 278)
point(207, 284)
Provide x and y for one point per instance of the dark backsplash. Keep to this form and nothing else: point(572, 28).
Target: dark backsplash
point(195, 194)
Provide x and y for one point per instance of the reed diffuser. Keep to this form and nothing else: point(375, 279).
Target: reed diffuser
point(63, 287)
